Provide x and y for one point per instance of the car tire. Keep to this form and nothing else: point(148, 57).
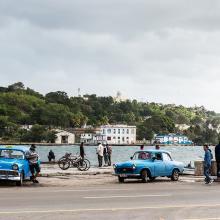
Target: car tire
point(121, 179)
point(144, 176)
point(20, 182)
point(175, 175)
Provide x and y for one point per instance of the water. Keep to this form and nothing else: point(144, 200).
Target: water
point(123, 153)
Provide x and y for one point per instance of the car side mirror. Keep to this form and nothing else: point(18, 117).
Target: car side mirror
point(131, 158)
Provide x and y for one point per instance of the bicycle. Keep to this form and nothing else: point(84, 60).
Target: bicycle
point(69, 160)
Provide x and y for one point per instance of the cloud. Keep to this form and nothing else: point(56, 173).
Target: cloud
point(164, 51)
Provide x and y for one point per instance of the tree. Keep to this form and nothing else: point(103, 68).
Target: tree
point(36, 134)
point(16, 86)
point(50, 136)
point(3, 125)
point(59, 97)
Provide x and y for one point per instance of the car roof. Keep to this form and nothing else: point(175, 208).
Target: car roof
point(154, 151)
point(15, 147)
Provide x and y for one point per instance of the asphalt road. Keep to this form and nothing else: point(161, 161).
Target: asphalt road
point(134, 200)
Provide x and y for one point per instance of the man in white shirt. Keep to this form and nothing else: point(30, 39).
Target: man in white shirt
point(99, 151)
point(33, 158)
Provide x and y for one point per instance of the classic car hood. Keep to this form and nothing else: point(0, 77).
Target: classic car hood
point(177, 163)
point(7, 163)
point(132, 162)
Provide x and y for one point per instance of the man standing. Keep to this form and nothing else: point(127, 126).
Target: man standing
point(32, 158)
point(99, 152)
point(207, 164)
point(105, 154)
point(81, 149)
point(109, 149)
point(217, 158)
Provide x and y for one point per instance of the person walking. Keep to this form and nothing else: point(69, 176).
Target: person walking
point(33, 158)
point(207, 164)
point(51, 156)
point(109, 149)
point(105, 154)
point(99, 151)
point(217, 158)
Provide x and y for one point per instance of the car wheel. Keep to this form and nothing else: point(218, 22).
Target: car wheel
point(121, 179)
point(175, 175)
point(20, 182)
point(144, 176)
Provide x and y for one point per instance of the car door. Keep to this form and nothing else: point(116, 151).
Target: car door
point(168, 164)
point(159, 166)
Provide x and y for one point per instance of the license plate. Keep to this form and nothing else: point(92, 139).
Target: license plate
point(123, 175)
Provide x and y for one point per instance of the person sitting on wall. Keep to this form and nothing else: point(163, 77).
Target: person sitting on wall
point(51, 156)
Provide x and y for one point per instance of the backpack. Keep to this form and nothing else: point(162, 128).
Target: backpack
point(211, 154)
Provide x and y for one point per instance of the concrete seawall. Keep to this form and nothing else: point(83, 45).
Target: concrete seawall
point(199, 168)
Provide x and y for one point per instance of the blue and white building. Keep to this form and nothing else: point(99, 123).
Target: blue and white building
point(173, 139)
point(119, 134)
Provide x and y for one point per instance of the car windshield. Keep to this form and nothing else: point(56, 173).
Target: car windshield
point(11, 154)
point(142, 155)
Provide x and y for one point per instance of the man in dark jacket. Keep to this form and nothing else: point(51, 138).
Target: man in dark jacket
point(82, 152)
point(217, 158)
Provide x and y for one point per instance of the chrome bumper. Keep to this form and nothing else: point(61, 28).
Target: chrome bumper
point(10, 175)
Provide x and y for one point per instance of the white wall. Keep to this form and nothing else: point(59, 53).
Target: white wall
point(71, 137)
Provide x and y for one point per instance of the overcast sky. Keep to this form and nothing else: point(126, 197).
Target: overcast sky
point(164, 51)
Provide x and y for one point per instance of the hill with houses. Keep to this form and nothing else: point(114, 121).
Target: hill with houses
point(21, 106)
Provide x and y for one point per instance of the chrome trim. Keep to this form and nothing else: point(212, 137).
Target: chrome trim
point(9, 175)
point(128, 175)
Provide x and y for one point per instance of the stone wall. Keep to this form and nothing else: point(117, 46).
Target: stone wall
point(199, 168)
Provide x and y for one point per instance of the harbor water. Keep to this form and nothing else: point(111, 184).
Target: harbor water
point(185, 154)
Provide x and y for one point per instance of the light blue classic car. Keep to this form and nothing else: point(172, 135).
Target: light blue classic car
point(13, 164)
point(147, 165)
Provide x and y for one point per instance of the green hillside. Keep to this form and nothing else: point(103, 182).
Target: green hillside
point(20, 106)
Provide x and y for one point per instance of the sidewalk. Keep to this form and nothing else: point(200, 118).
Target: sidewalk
point(49, 170)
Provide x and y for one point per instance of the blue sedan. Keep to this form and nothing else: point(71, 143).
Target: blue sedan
point(13, 164)
point(149, 164)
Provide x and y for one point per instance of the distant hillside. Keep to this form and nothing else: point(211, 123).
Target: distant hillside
point(20, 105)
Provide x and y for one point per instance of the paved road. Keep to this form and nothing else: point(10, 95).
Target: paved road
point(134, 200)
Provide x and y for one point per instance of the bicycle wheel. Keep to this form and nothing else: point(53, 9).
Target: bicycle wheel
point(81, 165)
point(87, 164)
point(64, 163)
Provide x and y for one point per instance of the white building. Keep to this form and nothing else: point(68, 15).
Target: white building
point(86, 137)
point(64, 137)
point(119, 134)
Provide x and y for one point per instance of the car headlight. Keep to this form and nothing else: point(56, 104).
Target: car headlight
point(15, 167)
point(114, 166)
point(134, 167)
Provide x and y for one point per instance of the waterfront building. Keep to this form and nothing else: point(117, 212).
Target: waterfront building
point(173, 139)
point(64, 137)
point(99, 138)
point(118, 134)
point(86, 138)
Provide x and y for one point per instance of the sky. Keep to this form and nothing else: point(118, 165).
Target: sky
point(155, 51)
